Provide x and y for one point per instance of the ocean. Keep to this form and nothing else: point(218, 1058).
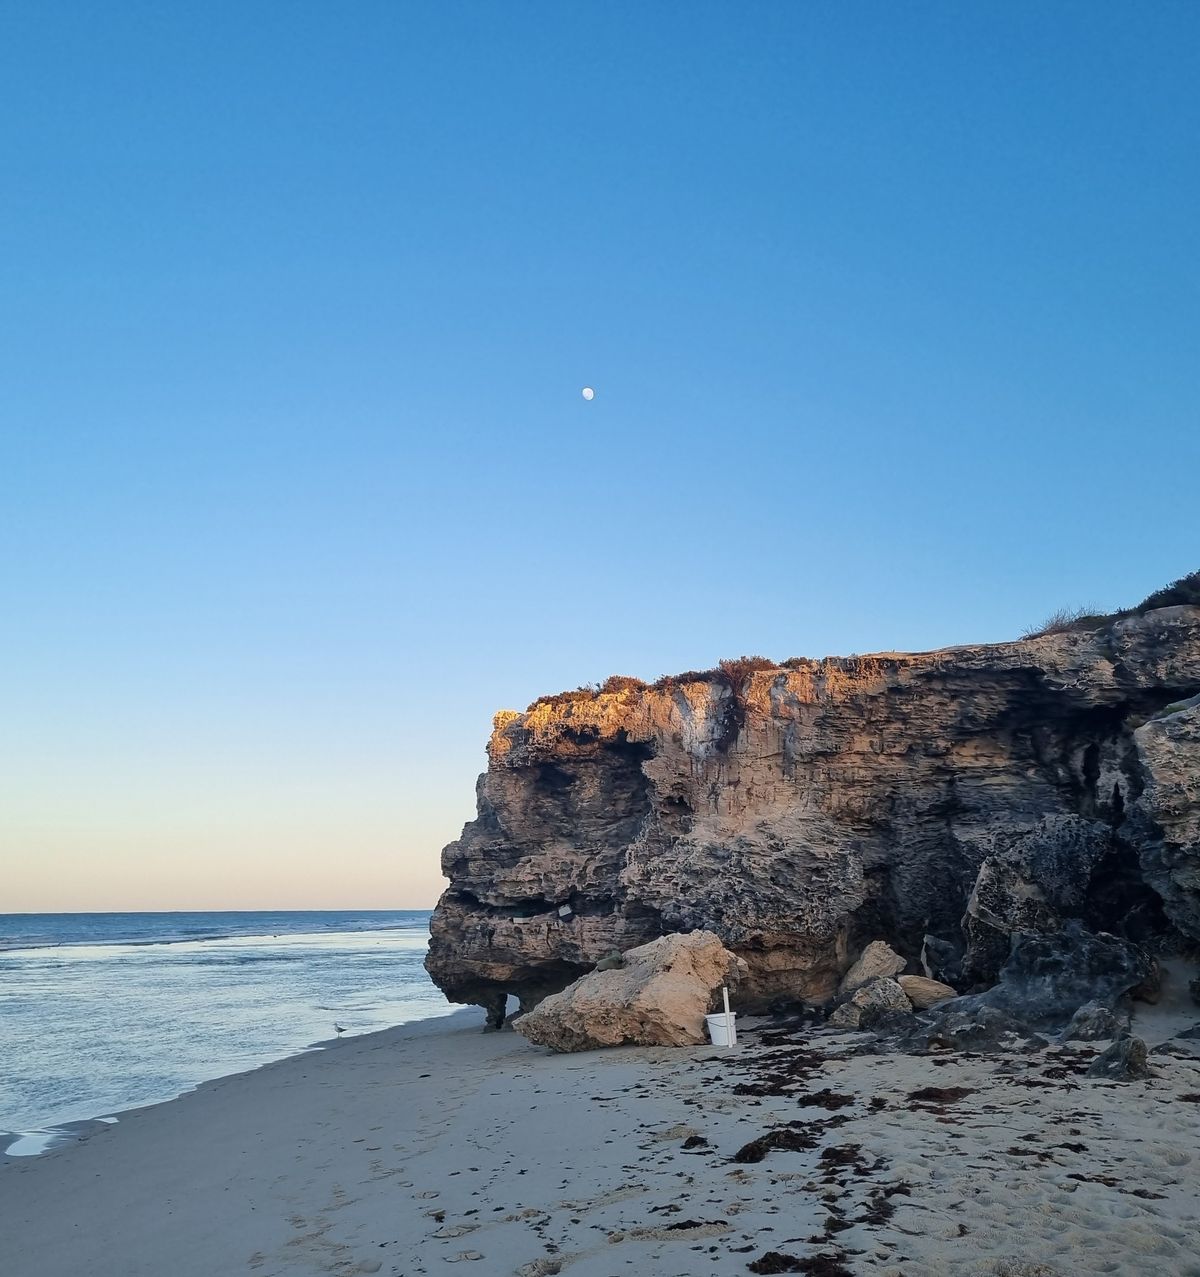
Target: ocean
point(107, 1011)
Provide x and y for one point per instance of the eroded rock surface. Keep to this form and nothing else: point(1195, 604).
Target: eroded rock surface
point(877, 995)
point(1168, 751)
point(800, 812)
point(658, 998)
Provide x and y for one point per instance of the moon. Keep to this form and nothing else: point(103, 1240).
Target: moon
point(588, 392)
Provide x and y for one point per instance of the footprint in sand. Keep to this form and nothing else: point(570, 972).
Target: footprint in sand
point(542, 1267)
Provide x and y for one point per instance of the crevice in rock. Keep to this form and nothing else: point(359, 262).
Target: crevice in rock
point(1090, 767)
point(1117, 806)
point(554, 778)
point(644, 920)
point(548, 978)
point(518, 908)
point(1120, 901)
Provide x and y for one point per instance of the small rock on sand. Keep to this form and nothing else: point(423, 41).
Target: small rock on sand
point(1123, 1061)
point(923, 992)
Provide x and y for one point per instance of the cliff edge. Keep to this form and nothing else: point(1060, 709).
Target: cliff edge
point(940, 800)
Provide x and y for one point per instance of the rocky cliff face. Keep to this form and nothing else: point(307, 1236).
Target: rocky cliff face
point(939, 800)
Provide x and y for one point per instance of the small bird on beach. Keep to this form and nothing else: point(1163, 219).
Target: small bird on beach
point(339, 1030)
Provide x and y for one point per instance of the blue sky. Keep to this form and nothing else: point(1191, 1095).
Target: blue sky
point(892, 314)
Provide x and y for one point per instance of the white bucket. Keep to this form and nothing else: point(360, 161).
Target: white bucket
point(721, 1033)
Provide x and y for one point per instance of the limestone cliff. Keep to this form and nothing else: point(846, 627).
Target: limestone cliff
point(800, 811)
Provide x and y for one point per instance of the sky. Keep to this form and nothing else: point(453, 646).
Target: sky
point(892, 314)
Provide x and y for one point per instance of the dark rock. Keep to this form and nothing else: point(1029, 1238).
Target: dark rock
point(1094, 1022)
point(942, 960)
point(1047, 978)
point(1045, 981)
point(887, 1021)
point(1151, 988)
point(1124, 1061)
point(775, 1261)
point(965, 1024)
point(1194, 990)
point(940, 1094)
point(495, 1005)
point(1033, 880)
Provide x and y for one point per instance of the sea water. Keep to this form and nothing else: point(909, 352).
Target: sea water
point(103, 1012)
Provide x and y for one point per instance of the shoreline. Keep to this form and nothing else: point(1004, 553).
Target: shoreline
point(121, 1013)
point(55, 1135)
point(402, 1150)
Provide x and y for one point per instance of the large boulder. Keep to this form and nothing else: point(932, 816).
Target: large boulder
point(1048, 978)
point(868, 1002)
point(1032, 881)
point(941, 959)
point(659, 997)
point(878, 960)
point(1045, 981)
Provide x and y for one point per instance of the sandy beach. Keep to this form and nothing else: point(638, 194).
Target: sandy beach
point(403, 1151)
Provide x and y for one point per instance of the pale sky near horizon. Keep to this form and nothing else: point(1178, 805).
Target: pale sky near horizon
point(891, 313)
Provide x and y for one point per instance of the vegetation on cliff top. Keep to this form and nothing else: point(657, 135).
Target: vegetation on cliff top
point(1065, 620)
point(734, 672)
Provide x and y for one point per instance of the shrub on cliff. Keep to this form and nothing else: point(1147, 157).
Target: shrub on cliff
point(1185, 591)
point(670, 681)
point(588, 692)
point(622, 683)
point(1066, 619)
point(800, 663)
point(739, 669)
point(733, 672)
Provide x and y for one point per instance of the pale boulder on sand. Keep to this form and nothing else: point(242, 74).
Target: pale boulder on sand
point(877, 959)
point(924, 993)
point(658, 998)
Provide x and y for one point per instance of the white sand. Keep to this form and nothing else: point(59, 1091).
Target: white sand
point(406, 1150)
